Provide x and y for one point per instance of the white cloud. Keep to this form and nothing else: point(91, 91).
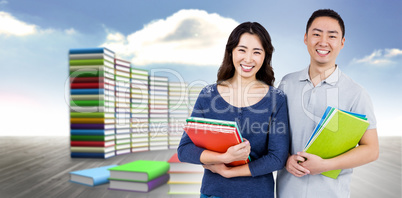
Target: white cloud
point(380, 57)
point(70, 31)
point(192, 37)
point(12, 26)
point(392, 52)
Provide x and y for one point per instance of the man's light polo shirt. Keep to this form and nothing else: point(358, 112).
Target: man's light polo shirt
point(306, 105)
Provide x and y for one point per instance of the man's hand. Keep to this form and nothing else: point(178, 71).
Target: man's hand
point(315, 164)
point(293, 166)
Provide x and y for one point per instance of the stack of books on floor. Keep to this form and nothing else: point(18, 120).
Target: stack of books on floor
point(139, 176)
point(178, 112)
point(91, 177)
point(158, 113)
point(123, 96)
point(185, 178)
point(139, 110)
point(92, 102)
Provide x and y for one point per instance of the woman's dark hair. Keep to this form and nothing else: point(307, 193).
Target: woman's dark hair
point(266, 73)
point(326, 13)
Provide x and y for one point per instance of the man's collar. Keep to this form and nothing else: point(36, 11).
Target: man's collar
point(331, 80)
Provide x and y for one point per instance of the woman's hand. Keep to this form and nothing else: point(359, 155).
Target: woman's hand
point(220, 169)
point(237, 152)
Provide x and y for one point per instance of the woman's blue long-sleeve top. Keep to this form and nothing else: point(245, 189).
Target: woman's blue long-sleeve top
point(264, 124)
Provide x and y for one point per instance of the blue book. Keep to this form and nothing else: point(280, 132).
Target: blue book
point(92, 51)
point(87, 91)
point(92, 131)
point(92, 155)
point(91, 177)
point(327, 111)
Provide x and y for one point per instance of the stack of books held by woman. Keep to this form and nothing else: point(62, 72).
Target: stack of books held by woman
point(214, 135)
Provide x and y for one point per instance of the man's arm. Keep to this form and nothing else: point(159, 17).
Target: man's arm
point(366, 152)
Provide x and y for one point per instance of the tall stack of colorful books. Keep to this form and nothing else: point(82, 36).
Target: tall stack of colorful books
point(92, 102)
point(123, 96)
point(185, 178)
point(158, 113)
point(139, 176)
point(139, 110)
point(178, 112)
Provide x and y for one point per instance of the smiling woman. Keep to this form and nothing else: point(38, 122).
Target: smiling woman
point(244, 93)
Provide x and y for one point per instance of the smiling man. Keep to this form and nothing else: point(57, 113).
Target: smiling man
point(309, 92)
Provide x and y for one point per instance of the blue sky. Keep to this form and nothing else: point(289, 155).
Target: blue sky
point(186, 37)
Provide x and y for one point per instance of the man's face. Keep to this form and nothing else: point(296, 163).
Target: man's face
point(324, 41)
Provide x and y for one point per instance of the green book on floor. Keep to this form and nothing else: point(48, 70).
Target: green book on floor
point(140, 170)
point(338, 132)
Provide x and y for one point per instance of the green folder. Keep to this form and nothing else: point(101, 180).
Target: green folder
point(338, 132)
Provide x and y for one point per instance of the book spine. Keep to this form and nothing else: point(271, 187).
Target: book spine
point(87, 102)
point(87, 138)
point(158, 182)
point(93, 73)
point(87, 62)
point(87, 126)
point(86, 79)
point(90, 51)
point(91, 132)
point(88, 143)
point(87, 86)
point(89, 155)
point(86, 91)
point(89, 120)
point(89, 115)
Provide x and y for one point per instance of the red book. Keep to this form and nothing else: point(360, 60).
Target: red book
point(213, 137)
point(86, 79)
point(87, 85)
point(92, 143)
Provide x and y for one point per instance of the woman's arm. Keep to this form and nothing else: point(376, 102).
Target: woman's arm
point(228, 172)
point(234, 153)
point(278, 148)
point(278, 142)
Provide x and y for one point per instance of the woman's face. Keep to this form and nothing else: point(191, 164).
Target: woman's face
point(248, 56)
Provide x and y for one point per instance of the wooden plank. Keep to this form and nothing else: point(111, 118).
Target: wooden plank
point(39, 167)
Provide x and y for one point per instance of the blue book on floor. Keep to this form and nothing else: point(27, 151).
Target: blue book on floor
point(91, 177)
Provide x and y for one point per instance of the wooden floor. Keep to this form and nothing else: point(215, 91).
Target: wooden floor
point(39, 167)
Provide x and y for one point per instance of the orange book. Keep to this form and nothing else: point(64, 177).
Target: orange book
point(92, 121)
point(214, 136)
